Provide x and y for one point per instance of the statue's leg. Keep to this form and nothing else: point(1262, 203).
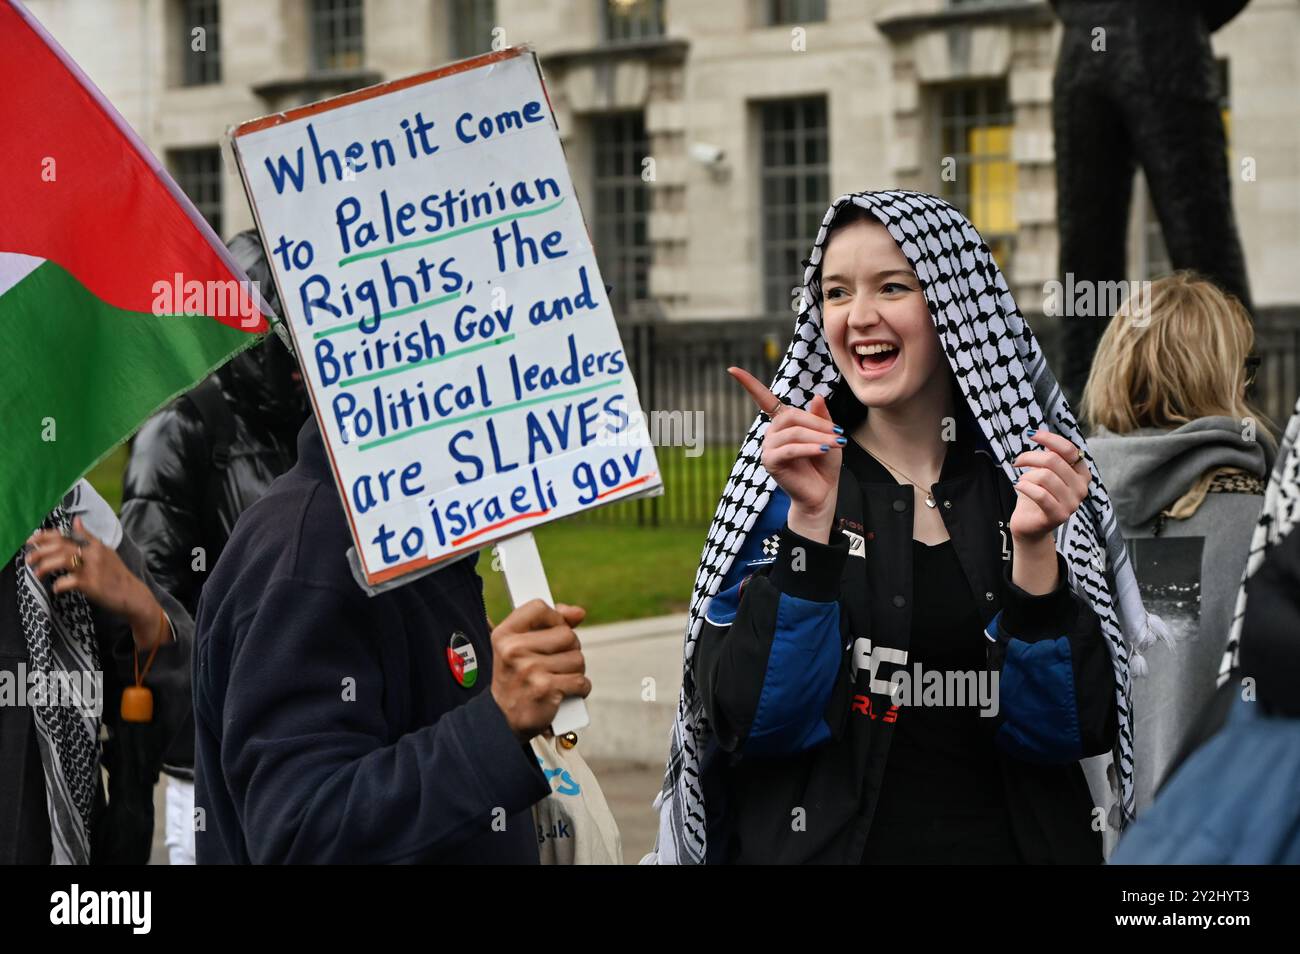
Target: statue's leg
point(1183, 151)
point(1094, 182)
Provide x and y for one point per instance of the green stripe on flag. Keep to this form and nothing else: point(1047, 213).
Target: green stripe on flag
point(89, 375)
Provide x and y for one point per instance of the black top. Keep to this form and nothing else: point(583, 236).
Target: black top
point(24, 820)
point(942, 800)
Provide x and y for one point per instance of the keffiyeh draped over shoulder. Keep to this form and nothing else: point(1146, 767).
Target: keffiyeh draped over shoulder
point(1009, 389)
point(1277, 518)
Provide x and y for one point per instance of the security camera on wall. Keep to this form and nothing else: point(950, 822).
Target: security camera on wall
point(711, 157)
point(707, 153)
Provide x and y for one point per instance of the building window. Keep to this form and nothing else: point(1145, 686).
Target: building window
point(337, 35)
point(977, 173)
point(198, 173)
point(777, 12)
point(200, 42)
point(622, 207)
point(472, 23)
point(629, 20)
point(795, 182)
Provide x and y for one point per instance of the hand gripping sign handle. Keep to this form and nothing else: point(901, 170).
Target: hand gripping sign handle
point(526, 580)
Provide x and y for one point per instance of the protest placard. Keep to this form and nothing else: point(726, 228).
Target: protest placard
point(443, 296)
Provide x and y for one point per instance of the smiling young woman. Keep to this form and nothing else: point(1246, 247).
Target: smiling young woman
point(897, 505)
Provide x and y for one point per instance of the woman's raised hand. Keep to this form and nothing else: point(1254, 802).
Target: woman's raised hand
point(1052, 486)
point(801, 450)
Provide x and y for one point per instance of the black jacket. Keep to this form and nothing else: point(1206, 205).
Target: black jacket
point(192, 473)
point(788, 655)
point(330, 725)
point(175, 497)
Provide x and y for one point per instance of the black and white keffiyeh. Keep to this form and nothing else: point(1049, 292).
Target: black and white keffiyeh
point(1277, 518)
point(60, 636)
point(1010, 390)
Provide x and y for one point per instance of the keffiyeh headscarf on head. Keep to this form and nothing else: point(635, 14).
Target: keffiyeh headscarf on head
point(1009, 389)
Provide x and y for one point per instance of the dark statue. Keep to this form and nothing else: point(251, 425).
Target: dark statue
point(1151, 97)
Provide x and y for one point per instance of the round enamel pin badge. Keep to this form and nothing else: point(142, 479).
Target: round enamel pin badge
point(461, 659)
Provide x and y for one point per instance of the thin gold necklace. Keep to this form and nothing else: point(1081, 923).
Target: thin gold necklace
point(929, 497)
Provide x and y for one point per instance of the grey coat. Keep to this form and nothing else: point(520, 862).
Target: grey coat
point(1188, 570)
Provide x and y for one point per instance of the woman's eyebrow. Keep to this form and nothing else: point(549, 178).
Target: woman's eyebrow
point(888, 273)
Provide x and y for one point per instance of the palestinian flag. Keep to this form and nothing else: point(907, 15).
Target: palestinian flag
point(115, 295)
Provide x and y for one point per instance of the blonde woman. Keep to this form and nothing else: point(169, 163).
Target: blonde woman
point(1185, 457)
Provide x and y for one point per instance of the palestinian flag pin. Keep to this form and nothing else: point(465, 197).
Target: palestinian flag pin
point(461, 659)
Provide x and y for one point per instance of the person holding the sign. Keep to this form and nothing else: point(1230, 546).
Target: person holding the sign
point(333, 726)
point(889, 660)
point(352, 705)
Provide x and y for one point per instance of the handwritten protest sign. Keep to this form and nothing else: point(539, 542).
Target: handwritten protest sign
point(444, 299)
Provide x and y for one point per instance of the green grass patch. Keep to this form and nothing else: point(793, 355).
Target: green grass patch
point(617, 573)
point(692, 486)
point(106, 477)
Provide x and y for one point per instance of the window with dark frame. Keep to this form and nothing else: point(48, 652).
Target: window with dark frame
point(200, 67)
point(198, 173)
point(622, 207)
point(625, 21)
point(794, 176)
point(975, 129)
point(472, 23)
point(337, 35)
point(777, 12)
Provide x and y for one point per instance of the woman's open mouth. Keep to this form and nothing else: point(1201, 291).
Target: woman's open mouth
point(875, 359)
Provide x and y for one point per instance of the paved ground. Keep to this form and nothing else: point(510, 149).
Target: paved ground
point(158, 856)
point(629, 788)
point(636, 674)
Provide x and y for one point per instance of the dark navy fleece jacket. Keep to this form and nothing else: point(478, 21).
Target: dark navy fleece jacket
point(330, 727)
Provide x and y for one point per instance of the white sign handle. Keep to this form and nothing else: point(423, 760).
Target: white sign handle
point(526, 580)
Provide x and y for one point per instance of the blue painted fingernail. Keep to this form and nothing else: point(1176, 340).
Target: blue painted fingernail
point(825, 447)
point(841, 441)
point(1033, 432)
point(838, 429)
